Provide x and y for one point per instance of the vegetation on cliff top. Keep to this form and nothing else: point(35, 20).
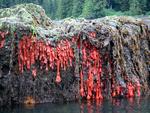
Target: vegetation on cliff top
point(59, 9)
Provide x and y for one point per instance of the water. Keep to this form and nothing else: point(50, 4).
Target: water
point(139, 105)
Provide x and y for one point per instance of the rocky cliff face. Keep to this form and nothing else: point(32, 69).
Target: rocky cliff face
point(48, 61)
point(17, 87)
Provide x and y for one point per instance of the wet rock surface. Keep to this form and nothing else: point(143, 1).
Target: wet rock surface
point(123, 43)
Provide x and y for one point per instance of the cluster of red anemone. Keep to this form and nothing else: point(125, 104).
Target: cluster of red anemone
point(131, 91)
point(31, 50)
point(2, 38)
point(90, 82)
point(90, 85)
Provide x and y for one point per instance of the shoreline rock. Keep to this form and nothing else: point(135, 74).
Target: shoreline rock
point(122, 43)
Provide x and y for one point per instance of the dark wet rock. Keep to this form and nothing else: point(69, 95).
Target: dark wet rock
point(123, 40)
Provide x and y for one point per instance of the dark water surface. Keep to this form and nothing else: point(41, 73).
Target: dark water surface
point(138, 105)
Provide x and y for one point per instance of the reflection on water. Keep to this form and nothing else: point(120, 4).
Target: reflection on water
point(138, 105)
